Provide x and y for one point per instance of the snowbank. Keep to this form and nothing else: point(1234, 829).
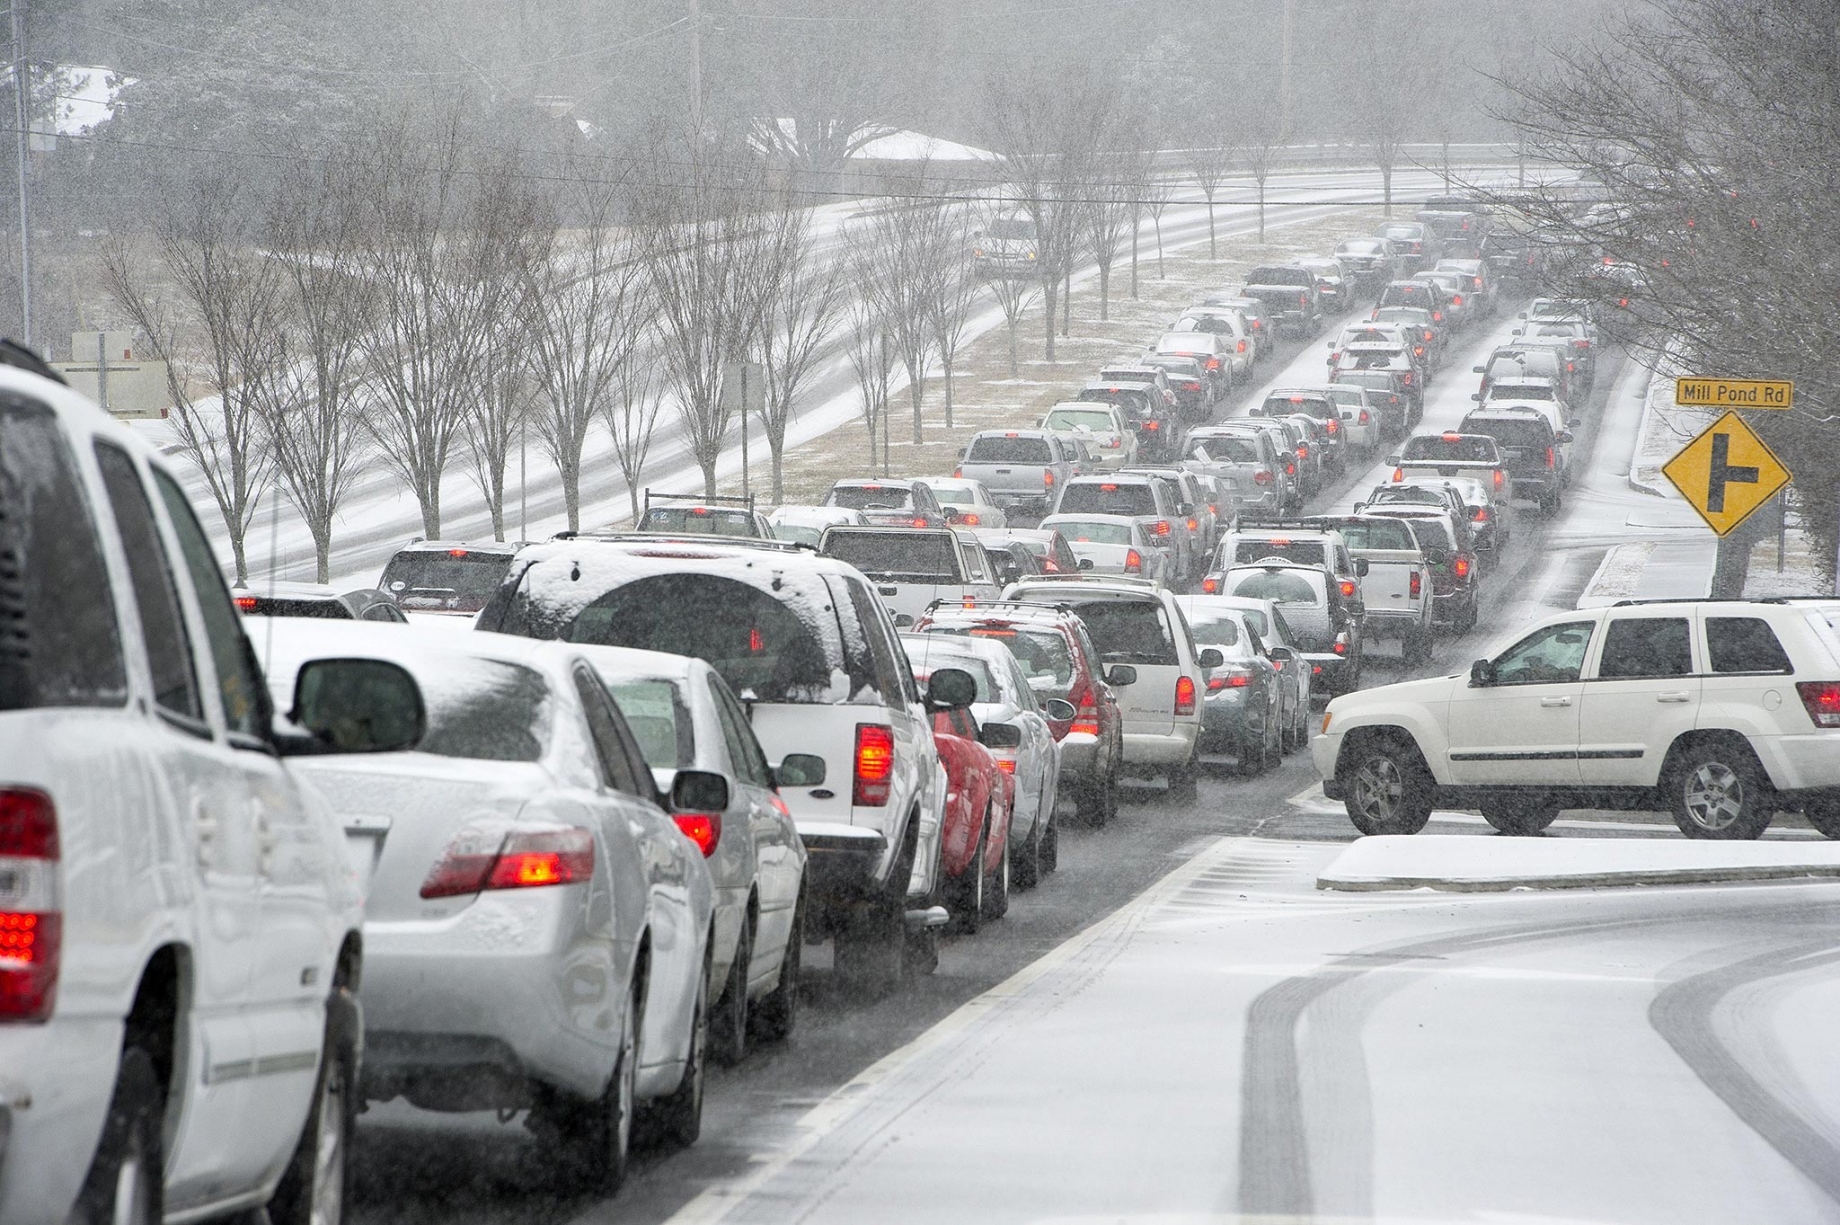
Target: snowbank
point(1481, 864)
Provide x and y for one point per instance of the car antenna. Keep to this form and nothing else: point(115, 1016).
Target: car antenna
point(268, 626)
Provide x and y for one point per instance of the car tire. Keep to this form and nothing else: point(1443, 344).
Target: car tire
point(1520, 818)
point(968, 901)
point(678, 1118)
point(777, 1014)
point(1718, 792)
point(1300, 737)
point(1824, 815)
point(1098, 800)
point(728, 1029)
point(124, 1182)
point(1027, 865)
point(870, 955)
point(1051, 846)
point(594, 1139)
point(996, 892)
point(1387, 786)
point(1549, 503)
point(317, 1184)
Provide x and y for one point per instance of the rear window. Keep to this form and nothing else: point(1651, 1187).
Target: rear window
point(1129, 632)
point(1744, 644)
point(926, 661)
point(1309, 552)
point(870, 497)
point(1278, 586)
point(1519, 435)
point(1136, 399)
point(1406, 295)
point(1463, 448)
point(263, 606)
point(1314, 406)
point(1432, 533)
point(659, 720)
point(1043, 654)
point(1401, 232)
point(1078, 419)
point(1229, 450)
point(1378, 535)
point(1522, 391)
point(445, 580)
point(797, 535)
point(60, 646)
point(1092, 531)
point(1220, 631)
point(898, 555)
point(697, 521)
point(997, 449)
point(1108, 498)
point(1373, 380)
point(484, 710)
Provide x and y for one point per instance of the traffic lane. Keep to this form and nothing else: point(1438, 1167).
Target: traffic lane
point(413, 1167)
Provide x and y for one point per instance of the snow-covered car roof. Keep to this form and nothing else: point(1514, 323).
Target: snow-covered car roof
point(506, 547)
point(814, 516)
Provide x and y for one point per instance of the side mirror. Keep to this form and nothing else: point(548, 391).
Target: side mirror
point(903, 621)
point(1210, 657)
point(1358, 506)
point(1000, 736)
point(1518, 331)
point(1086, 563)
point(1281, 655)
point(1522, 315)
point(702, 791)
point(1572, 423)
point(1478, 369)
point(1121, 675)
point(353, 706)
point(1562, 437)
point(1437, 555)
point(1395, 460)
point(799, 770)
point(1059, 710)
point(1481, 674)
point(951, 689)
point(953, 514)
point(1361, 567)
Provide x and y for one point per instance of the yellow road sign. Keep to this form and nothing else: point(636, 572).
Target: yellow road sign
point(1695, 392)
point(1726, 473)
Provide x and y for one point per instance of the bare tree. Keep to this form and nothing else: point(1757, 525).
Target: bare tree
point(1260, 152)
point(903, 253)
point(1210, 163)
point(955, 292)
point(630, 409)
point(422, 337)
point(870, 345)
point(1014, 296)
point(1385, 113)
point(210, 306)
point(584, 302)
point(801, 312)
point(313, 409)
point(1110, 207)
point(1157, 194)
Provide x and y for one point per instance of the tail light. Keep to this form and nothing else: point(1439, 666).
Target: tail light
point(1348, 588)
point(31, 927)
point(1236, 678)
point(1241, 348)
point(1822, 700)
point(1006, 764)
point(874, 765)
point(1364, 418)
point(1459, 566)
point(1417, 584)
point(1341, 646)
point(958, 474)
point(1501, 478)
point(1456, 299)
point(245, 603)
point(1437, 316)
point(1303, 300)
point(1290, 469)
point(1133, 561)
point(1622, 301)
point(1262, 477)
point(1551, 459)
point(1185, 695)
point(1161, 528)
point(1303, 450)
point(1114, 441)
point(970, 520)
point(1152, 425)
point(921, 523)
point(479, 859)
point(1086, 718)
point(1194, 525)
point(702, 828)
point(1213, 363)
point(1479, 515)
point(1332, 427)
point(1399, 474)
point(1406, 379)
point(1047, 479)
point(1210, 586)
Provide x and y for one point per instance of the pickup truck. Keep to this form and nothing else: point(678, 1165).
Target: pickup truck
point(1475, 457)
point(1289, 292)
point(1396, 586)
point(911, 568)
point(1020, 468)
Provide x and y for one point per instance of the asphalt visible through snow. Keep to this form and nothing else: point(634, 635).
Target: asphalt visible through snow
point(1282, 988)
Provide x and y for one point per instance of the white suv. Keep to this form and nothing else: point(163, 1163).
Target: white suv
point(1721, 712)
point(179, 927)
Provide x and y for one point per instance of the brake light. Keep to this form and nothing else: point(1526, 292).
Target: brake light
point(1348, 588)
point(1162, 527)
point(1406, 379)
point(1480, 514)
point(31, 928)
point(1340, 647)
point(1456, 299)
point(1108, 489)
point(1822, 700)
point(1622, 301)
point(478, 859)
point(1006, 764)
point(1303, 450)
point(958, 473)
point(1086, 719)
point(1242, 347)
point(921, 523)
point(757, 641)
point(1290, 469)
point(1500, 478)
point(1047, 479)
point(1399, 474)
point(1450, 437)
point(1262, 477)
point(1459, 566)
point(1417, 584)
point(1133, 561)
point(1210, 586)
point(699, 510)
point(1185, 695)
point(1235, 679)
point(1194, 525)
point(1551, 459)
point(1364, 418)
point(874, 765)
point(1303, 300)
point(1213, 363)
point(1333, 427)
point(245, 603)
point(1152, 425)
point(702, 828)
point(456, 552)
point(971, 520)
point(1437, 316)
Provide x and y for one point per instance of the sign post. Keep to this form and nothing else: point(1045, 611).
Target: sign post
point(1726, 473)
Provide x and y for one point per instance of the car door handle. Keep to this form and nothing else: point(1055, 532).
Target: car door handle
point(1555, 701)
point(1673, 697)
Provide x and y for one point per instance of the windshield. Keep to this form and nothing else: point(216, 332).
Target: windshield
point(1108, 498)
point(924, 556)
point(697, 521)
point(1005, 449)
point(655, 712)
point(447, 580)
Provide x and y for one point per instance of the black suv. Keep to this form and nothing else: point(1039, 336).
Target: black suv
point(1534, 454)
point(1290, 293)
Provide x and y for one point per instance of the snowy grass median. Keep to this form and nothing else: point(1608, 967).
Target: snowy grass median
point(1493, 863)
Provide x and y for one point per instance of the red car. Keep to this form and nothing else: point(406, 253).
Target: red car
point(1061, 661)
point(974, 845)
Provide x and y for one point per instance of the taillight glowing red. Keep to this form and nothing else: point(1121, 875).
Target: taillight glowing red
point(1551, 459)
point(1210, 586)
point(479, 859)
point(1161, 527)
point(1213, 363)
point(702, 828)
point(874, 765)
point(1348, 588)
point(1086, 719)
point(1364, 418)
point(1235, 679)
point(1333, 427)
point(1418, 584)
point(1822, 701)
point(245, 603)
point(1242, 347)
point(1500, 478)
point(1047, 479)
point(31, 926)
point(970, 520)
point(1399, 474)
point(1262, 477)
point(1185, 695)
point(1459, 566)
point(1133, 561)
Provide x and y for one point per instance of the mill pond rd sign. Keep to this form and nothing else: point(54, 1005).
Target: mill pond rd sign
point(1693, 392)
point(1726, 473)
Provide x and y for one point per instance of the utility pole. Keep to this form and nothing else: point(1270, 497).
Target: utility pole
point(696, 65)
point(22, 110)
point(1284, 73)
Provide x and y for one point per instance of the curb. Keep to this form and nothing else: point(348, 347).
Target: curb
point(1588, 880)
point(1648, 409)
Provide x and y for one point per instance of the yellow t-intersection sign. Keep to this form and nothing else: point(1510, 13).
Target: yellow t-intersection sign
point(1726, 473)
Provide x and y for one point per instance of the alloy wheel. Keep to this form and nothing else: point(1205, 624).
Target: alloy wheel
point(1714, 796)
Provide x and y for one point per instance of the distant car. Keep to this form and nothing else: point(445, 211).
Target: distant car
point(1243, 712)
point(1533, 451)
point(1413, 242)
point(1194, 391)
point(1213, 352)
point(1006, 247)
point(446, 582)
point(1013, 470)
point(314, 600)
point(526, 807)
point(1257, 316)
point(967, 503)
point(1105, 425)
point(1369, 264)
point(889, 502)
point(1014, 725)
point(1111, 544)
point(1247, 458)
point(1363, 424)
point(1234, 329)
point(1332, 286)
point(913, 568)
point(1047, 545)
point(1155, 424)
point(805, 524)
point(693, 515)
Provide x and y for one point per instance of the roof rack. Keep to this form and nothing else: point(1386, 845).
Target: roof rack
point(974, 604)
point(14, 354)
point(702, 538)
point(1716, 599)
point(720, 499)
point(1273, 521)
